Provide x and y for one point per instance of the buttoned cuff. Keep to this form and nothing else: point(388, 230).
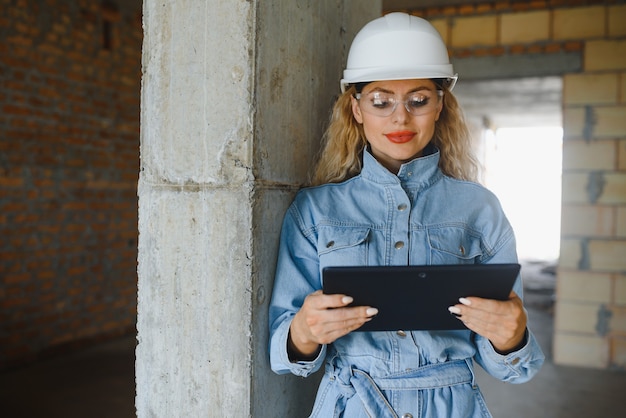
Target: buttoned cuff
point(280, 355)
point(512, 359)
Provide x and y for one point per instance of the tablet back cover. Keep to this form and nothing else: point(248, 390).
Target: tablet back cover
point(418, 297)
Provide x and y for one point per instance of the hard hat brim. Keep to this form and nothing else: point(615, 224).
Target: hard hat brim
point(384, 75)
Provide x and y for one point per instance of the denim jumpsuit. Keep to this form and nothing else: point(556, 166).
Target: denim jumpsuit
point(417, 217)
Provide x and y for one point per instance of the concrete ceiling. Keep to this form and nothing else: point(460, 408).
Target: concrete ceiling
point(522, 102)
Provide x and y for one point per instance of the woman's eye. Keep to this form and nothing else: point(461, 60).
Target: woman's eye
point(418, 101)
point(381, 102)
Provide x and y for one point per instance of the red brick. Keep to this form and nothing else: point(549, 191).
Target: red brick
point(449, 11)
point(538, 4)
point(573, 46)
point(484, 8)
point(12, 303)
point(520, 6)
point(517, 49)
point(76, 271)
point(46, 275)
point(502, 6)
point(553, 48)
point(467, 9)
point(481, 52)
point(19, 40)
point(10, 109)
point(11, 182)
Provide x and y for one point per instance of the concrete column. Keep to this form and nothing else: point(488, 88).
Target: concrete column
point(235, 97)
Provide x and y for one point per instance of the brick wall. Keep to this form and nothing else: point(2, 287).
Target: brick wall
point(69, 160)
point(590, 318)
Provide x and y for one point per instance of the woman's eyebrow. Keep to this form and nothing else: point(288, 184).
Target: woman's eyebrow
point(419, 88)
point(416, 89)
point(381, 90)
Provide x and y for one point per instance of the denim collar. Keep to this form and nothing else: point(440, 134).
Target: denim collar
point(420, 172)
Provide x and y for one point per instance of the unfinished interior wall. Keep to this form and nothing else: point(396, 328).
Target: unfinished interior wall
point(69, 158)
point(586, 45)
point(235, 97)
point(590, 327)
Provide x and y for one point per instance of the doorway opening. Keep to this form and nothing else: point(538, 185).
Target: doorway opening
point(522, 166)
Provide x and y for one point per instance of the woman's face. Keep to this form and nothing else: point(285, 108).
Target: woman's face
point(400, 136)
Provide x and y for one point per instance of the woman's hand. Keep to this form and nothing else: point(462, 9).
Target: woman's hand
point(501, 322)
point(323, 319)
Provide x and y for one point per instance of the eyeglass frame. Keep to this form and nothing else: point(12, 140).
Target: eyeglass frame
point(358, 96)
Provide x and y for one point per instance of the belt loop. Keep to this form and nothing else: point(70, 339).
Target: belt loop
point(470, 366)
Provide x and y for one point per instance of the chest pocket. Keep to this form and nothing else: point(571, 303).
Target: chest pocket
point(342, 246)
point(453, 245)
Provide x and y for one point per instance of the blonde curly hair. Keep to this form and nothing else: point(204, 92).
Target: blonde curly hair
point(344, 141)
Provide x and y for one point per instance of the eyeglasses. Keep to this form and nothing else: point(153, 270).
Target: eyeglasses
point(383, 104)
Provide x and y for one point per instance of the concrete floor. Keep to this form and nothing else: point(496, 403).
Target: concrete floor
point(95, 383)
point(99, 382)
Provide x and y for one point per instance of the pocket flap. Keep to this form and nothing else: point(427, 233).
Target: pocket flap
point(335, 238)
point(455, 241)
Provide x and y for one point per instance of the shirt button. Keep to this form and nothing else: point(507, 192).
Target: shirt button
point(407, 415)
point(330, 244)
point(399, 245)
point(402, 206)
point(401, 333)
point(515, 361)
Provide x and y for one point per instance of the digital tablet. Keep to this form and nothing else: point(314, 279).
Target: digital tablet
point(418, 297)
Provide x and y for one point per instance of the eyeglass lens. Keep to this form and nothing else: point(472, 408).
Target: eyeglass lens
point(384, 104)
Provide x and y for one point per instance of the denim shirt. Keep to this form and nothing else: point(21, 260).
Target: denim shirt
point(417, 217)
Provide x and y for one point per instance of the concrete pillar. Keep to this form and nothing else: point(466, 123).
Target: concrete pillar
point(235, 97)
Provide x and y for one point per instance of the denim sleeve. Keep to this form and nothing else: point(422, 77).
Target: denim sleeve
point(521, 365)
point(516, 367)
point(297, 275)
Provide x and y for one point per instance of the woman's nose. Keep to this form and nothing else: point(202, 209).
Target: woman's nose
point(400, 113)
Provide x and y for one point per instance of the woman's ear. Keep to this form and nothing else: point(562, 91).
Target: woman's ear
point(356, 110)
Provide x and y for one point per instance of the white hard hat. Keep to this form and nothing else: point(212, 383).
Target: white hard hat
point(397, 46)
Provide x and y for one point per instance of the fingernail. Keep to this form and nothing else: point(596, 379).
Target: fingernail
point(371, 311)
point(347, 299)
point(454, 310)
point(465, 301)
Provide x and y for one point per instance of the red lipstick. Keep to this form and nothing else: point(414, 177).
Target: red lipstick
point(400, 137)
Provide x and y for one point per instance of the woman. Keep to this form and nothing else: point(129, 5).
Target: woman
point(393, 186)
